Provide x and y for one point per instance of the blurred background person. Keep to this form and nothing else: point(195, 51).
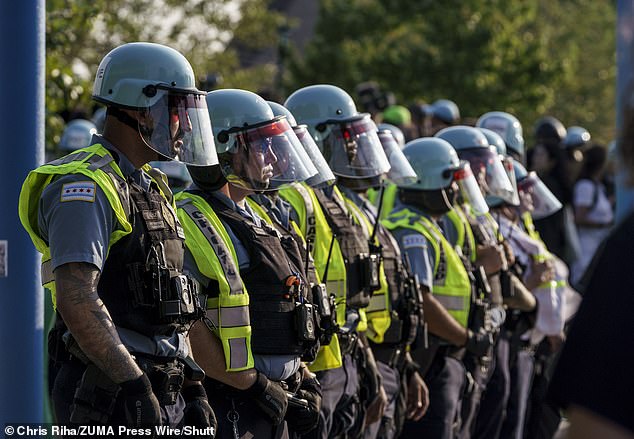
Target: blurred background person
point(593, 211)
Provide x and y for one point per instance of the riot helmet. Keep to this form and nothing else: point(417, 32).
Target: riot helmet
point(441, 177)
point(257, 150)
point(444, 110)
point(472, 145)
point(508, 127)
point(576, 138)
point(77, 134)
point(99, 118)
point(324, 175)
point(549, 130)
point(348, 139)
point(157, 82)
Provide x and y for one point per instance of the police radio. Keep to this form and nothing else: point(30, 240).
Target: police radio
point(304, 318)
point(177, 297)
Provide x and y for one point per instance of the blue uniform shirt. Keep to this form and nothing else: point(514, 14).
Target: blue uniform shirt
point(420, 253)
point(78, 229)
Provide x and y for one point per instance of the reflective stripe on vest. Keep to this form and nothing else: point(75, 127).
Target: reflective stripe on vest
point(96, 163)
point(215, 257)
point(312, 222)
point(455, 292)
point(378, 311)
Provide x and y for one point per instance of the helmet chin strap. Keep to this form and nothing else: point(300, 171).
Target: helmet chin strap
point(124, 118)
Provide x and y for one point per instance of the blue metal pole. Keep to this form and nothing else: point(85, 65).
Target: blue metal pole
point(22, 147)
point(624, 78)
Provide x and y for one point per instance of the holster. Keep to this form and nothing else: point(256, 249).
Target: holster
point(166, 375)
point(95, 398)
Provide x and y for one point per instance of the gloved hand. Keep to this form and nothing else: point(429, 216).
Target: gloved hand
point(198, 412)
point(478, 343)
point(270, 397)
point(141, 406)
point(302, 420)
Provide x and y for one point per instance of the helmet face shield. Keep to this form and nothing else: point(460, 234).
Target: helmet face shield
point(537, 198)
point(353, 148)
point(490, 173)
point(401, 172)
point(324, 176)
point(469, 189)
point(177, 126)
point(507, 162)
point(266, 156)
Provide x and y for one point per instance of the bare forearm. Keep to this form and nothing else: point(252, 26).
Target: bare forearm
point(441, 323)
point(90, 323)
point(208, 352)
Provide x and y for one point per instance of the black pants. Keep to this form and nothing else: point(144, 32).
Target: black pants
point(496, 394)
point(66, 383)
point(250, 421)
point(445, 380)
point(521, 380)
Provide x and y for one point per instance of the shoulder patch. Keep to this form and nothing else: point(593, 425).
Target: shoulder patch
point(78, 191)
point(414, 241)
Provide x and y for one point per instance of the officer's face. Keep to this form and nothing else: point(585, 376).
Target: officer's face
point(260, 161)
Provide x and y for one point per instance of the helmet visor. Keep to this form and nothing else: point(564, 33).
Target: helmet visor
point(177, 126)
point(401, 172)
point(354, 150)
point(490, 173)
point(266, 156)
point(507, 162)
point(537, 198)
point(469, 189)
point(324, 176)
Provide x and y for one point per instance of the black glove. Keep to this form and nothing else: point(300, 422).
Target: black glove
point(270, 397)
point(479, 344)
point(198, 412)
point(141, 406)
point(302, 420)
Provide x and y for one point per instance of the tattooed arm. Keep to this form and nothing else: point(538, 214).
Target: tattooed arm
point(89, 321)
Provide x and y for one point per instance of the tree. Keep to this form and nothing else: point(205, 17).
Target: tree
point(509, 55)
point(80, 33)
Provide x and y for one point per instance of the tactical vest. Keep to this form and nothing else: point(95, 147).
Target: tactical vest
point(272, 280)
point(378, 310)
point(215, 257)
point(315, 228)
point(352, 243)
point(141, 280)
point(452, 287)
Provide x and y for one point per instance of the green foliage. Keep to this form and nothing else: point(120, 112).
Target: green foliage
point(79, 33)
point(527, 58)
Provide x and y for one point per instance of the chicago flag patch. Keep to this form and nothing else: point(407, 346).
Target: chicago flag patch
point(79, 191)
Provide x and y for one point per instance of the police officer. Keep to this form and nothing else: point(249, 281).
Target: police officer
point(509, 128)
point(394, 311)
point(341, 252)
point(441, 114)
point(443, 279)
point(260, 319)
point(113, 248)
point(77, 134)
point(471, 144)
point(545, 276)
